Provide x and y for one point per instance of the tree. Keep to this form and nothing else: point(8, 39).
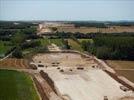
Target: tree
point(54, 29)
point(67, 46)
point(111, 47)
point(17, 53)
point(18, 38)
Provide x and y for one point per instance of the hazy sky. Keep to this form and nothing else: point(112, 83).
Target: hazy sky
point(67, 10)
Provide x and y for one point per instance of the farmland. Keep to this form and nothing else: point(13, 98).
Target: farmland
point(112, 29)
point(16, 86)
point(117, 64)
point(127, 73)
point(124, 68)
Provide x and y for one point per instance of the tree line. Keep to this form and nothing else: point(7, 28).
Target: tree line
point(101, 24)
point(121, 48)
point(79, 35)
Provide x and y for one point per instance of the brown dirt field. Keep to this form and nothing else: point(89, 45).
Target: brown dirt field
point(123, 68)
point(113, 29)
point(14, 63)
point(126, 73)
point(118, 64)
point(127, 98)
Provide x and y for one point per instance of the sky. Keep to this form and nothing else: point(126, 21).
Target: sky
point(99, 10)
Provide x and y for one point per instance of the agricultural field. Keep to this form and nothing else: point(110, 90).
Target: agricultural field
point(126, 73)
point(14, 63)
point(112, 29)
point(74, 45)
point(16, 86)
point(117, 64)
point(124, 68)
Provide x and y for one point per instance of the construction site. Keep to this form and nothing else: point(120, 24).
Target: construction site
point(68, 75)
point(66, 50)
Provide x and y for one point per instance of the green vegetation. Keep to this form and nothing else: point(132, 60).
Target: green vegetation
point(79, 35)
point(58, 42)
point(62, 43)
point(111, 47)
point(39, 45)
point(106, 46)
point(18, 38)
point(32, 47)
point(14, 35)
point(17, 53)
point(74, 45)
point(85, 40)
point(15, 25)
point(89, 24)
point(16, 86)
point(46, 41)
point(100, 24)
point(5, 47)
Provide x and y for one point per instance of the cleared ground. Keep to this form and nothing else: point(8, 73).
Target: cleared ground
point(16, 86)
point(114, 29)
point(14, 63)
point(87, 83)
point(90, 84)
point(62, 59)
point(124, 68)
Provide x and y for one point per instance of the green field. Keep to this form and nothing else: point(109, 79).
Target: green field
point(81, 40)
point(16, 86)
point(58, 42)
point(4, 47)
point(74, 45)
point(45, 42)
